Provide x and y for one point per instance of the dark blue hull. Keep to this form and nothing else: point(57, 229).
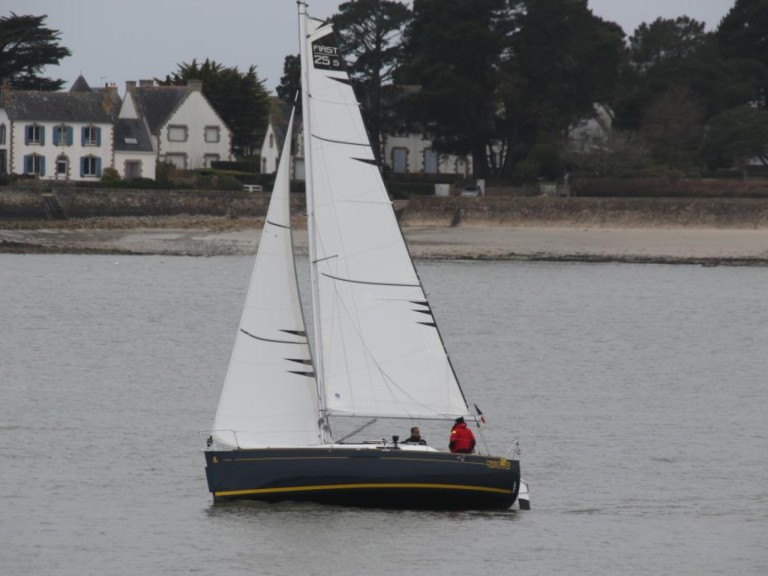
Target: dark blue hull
point(369, 477)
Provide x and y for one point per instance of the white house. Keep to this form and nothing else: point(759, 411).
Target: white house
point(75, 135)
point(592, 132)
point(57, 135)
point(183, 127)
point(403, 154)
point(271, 148)
point(135, 155)
point(413, 153)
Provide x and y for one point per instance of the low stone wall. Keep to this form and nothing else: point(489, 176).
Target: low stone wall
point(670, 187)
point(65, 203)
point(71, 203)
point(605, 212)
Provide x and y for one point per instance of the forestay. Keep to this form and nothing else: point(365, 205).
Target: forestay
point(270, 394)
point(382, 355)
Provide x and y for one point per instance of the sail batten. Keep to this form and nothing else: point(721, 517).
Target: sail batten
point(347, 142)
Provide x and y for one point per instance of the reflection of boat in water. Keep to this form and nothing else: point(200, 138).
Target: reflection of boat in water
point(377, 351)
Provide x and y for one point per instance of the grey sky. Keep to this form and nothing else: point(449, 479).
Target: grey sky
point(115, 41)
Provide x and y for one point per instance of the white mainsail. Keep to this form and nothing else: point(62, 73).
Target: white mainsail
point(379, 349)
point(270, 394)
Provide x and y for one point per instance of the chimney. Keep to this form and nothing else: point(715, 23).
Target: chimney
point(145, 83)
point(195, 85)
point(130, 85)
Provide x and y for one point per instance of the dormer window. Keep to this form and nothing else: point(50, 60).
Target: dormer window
point(212, 134)
point(91, 136)
point(34, 134)
point(177, 133)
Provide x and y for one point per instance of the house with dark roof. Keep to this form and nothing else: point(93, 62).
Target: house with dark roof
point(177, 123)
point(58, 135)
point(75, 135)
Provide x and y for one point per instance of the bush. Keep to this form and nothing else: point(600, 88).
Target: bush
point(110, 175)
point(404, 190)
point(543, 161)
point(249, 166)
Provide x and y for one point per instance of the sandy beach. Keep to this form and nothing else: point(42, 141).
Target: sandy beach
point(221, 236)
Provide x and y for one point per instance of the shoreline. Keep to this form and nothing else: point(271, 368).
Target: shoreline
point(221, 236)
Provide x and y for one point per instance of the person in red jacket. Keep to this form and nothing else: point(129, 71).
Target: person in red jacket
point(462, 439)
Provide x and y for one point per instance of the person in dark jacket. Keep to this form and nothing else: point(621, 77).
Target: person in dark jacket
point(415, 437)
point(462, 439)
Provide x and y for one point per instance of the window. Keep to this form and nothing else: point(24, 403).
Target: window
point(177, 133)
point(430, 161)
point(208, 159)
point(177, 160)
point(3, 135)
point(462, 167)
point(90, 167)
point(399, 160)
point(62, 166)
point(34, 134)
point(91, 136)
point(132, 169)
point(62, 135)
point(34, 164)
point(271, 141)
point(212, 134)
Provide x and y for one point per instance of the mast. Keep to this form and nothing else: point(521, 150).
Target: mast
point(310, 205)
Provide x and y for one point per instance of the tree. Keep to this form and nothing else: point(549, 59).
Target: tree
point(673, 126)
point(619, 154)
point(743, 34)
point(678, 54)
point(26, 47)
point(562, 60)
point(666, 40)
point(290, 82)
point(737, 135)
point(369, 33)
point(662, 55)
point(452, 51)
point(239, 98)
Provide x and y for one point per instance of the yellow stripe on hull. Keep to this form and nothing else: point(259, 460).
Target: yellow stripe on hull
point(360, 486)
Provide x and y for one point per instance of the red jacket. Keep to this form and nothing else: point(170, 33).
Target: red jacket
point(462, 439)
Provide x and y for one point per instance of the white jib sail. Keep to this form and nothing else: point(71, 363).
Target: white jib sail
point(382, 354)
point(270, 396)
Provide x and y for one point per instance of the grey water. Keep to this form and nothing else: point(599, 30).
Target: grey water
point(638, 394)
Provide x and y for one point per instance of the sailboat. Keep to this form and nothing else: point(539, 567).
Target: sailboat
point(374, 354)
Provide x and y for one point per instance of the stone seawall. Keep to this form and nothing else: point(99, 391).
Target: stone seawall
point(71, 203)
point(592, 212)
